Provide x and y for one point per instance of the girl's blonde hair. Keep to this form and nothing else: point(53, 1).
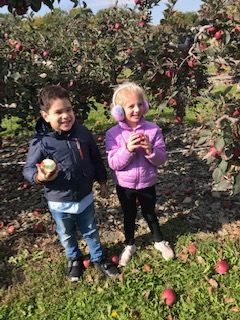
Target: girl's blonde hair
point(119, 96)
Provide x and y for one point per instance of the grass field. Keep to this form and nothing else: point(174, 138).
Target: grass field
point(201, 293)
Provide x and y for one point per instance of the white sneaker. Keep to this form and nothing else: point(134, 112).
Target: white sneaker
point(165, 249)
point(126, 255)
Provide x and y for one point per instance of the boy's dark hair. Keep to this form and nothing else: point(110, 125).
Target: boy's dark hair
point(50, 93)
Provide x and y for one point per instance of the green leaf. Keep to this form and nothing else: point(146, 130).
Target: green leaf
point(217, 175)
point(223, 185)
point(49, 3)
point(227, 37)
point(236, 185)
point(219, 144)
point(36, 5)
point(202, 140)
point(223, 166)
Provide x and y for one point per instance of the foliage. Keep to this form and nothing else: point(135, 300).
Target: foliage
point(89, 54)
point(223, 136)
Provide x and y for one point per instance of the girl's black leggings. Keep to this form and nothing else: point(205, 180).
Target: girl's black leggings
point(147, 199)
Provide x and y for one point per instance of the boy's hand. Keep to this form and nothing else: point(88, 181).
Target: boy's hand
point(134, 141)
point(43, 176)
point(103, 190)
point(146, 145)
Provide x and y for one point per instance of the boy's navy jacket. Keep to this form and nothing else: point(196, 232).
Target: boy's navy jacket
point(77, 156)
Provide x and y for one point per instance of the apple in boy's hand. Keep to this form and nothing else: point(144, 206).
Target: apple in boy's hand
point(48, 166)
point(169, 296)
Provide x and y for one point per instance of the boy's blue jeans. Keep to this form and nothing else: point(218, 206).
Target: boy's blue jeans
point(85, 222)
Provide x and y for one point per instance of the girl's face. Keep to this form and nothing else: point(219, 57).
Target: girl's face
point(133, 109)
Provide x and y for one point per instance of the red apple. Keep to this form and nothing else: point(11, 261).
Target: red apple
point(37, 212)
point(236, 152)
point(138, 2)
point(45, 53)
point(117, 25)
point(48, 165)
point(26, 185)
point(167, 192)
point(38, 227)
point(172, 102)
point(129, 50)
point(214, 152)
point(115, 260)
point(222, 266)
point(3, 3)
point(203, 46)
point(19, 46)
point(86, 263)
point(75, 49)
point(237, 29)
point(236, 113)
point(33, 50)
point(178, 119)
point(192, 249)
point(191, 62)
point(100, 138)
point(218, 35)
point(212, 29)
point(169, 296)
point(168, 73)
point(11, 229)
point(21, 10)
point(141, 24)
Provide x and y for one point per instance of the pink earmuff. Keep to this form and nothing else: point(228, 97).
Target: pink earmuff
point(117, 111)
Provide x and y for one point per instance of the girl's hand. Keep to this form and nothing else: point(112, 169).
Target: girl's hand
point(146, 145)
point(134, 142)
point(43, 176)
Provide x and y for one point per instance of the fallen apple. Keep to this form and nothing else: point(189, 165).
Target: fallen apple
point(169, 296)
point(115, 260)
point(38, 227)
point(192, 249)
point(37, 212)
point(48, 165)
point(222, 266)
point(11, 229)
point(86, 263)
point(26, 185)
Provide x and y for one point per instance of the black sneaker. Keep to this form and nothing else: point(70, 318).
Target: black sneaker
point(107, 268)
point(75, 270)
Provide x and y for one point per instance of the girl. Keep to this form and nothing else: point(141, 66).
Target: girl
point(135, 148)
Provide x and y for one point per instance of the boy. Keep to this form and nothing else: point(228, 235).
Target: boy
point(68, 189)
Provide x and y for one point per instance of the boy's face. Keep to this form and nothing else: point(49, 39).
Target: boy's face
point(60, 115)
point(133, 109)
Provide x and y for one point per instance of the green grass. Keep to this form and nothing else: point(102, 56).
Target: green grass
point(46, 294)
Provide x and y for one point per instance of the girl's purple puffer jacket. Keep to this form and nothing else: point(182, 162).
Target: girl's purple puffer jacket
point(135, 170)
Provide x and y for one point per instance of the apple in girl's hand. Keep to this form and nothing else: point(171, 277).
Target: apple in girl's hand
point(169, 296)
point(48, 166)
point(86, 263)
point(222, 267)
point(115, 260)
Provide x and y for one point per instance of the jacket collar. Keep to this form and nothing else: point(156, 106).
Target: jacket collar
point(125, 126)
point(44, 128)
